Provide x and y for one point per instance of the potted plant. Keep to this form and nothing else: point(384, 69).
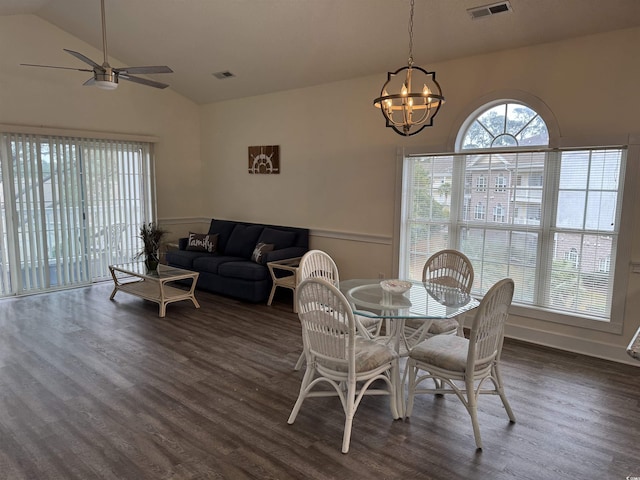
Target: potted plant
point(151, 235)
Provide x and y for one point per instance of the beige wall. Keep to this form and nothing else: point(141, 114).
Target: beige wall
point(338, 161)
point(56, 98)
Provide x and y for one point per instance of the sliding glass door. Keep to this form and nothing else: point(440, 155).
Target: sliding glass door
point(70, 207)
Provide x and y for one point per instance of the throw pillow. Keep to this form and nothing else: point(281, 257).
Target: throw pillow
point(202, 242)
point(259, 252)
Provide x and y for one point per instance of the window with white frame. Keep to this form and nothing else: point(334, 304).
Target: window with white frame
point(498, 213)
point(70, 208)
point(572, 256)
point(604, 264)
point(501, 183)
point(550, 229)
point(481, 183)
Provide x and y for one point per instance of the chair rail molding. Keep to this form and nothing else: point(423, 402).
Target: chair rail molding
point(352, 236)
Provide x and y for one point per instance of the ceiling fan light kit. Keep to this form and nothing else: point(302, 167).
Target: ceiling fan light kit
point(407, 110)
point(106, 81)
point(104, 76)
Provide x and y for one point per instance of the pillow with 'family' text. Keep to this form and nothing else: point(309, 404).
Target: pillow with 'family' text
point(202, 242)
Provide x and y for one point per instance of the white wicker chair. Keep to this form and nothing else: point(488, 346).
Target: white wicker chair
point(450, 268)
point(338, 356)
point(461, 366)
point(319, 264)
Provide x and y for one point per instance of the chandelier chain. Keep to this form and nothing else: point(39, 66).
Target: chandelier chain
point(411, 34)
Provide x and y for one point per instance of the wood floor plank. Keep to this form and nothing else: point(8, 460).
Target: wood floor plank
point(98, 389)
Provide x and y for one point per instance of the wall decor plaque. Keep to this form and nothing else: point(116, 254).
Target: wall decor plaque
point(264, 159)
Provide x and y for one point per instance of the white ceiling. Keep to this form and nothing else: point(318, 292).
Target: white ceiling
point(273, 45)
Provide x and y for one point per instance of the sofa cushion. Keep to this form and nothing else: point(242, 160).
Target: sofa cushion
point(259, 252)
point(223, 228)
point(202, 242)
point(279, 238)
point(183, 258)
point(243, 240)
point(245, 270)
point(211, 262)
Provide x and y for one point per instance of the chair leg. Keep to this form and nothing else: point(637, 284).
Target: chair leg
point(306, 380)
point(349, 414)
point(503, 396)
point(472, 407)
point(300, 361)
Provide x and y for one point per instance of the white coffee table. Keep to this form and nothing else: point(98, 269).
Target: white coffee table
point(135, 279)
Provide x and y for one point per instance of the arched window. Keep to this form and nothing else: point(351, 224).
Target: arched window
point(572, 256)
point(506, 125)
point(516, 207)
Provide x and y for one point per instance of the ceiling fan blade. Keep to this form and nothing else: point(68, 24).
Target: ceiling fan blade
point(89, 82)
point(86, 60)
point(143, 81)
point(143, 70)
point(53, 66)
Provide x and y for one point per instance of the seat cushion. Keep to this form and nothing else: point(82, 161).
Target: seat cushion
point(211, 262)
point(437, 327)
point(443, 351)
point(446, 325)
point(244, 269)
point(369, 356)
point(183, 258)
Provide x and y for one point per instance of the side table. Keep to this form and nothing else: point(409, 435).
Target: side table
point(288, 279)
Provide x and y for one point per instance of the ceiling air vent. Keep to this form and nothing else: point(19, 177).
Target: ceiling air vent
point(488, 10)
point(223, 75)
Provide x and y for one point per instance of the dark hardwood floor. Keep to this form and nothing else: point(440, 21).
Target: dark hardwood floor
point(93, 389)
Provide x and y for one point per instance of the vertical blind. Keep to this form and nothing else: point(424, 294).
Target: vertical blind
point(70, 207)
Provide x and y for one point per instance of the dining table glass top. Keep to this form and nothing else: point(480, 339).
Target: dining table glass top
point(423, 300)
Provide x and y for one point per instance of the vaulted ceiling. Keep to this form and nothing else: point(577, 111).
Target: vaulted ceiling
point(273, 45)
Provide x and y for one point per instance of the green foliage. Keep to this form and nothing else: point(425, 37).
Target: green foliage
point(424, 205)
point(151, 235)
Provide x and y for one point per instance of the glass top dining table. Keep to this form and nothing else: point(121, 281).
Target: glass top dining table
point(424, 301)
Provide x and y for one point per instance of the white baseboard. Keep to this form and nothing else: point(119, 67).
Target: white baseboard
point(582, 346)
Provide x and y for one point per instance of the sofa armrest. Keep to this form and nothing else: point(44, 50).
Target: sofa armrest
point(290, 252)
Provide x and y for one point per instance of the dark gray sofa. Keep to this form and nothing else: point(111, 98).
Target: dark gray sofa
point(230, 271)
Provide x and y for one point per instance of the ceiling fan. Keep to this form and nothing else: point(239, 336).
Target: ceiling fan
point(105, 76)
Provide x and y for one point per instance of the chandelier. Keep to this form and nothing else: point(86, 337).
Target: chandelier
point(409, 111)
